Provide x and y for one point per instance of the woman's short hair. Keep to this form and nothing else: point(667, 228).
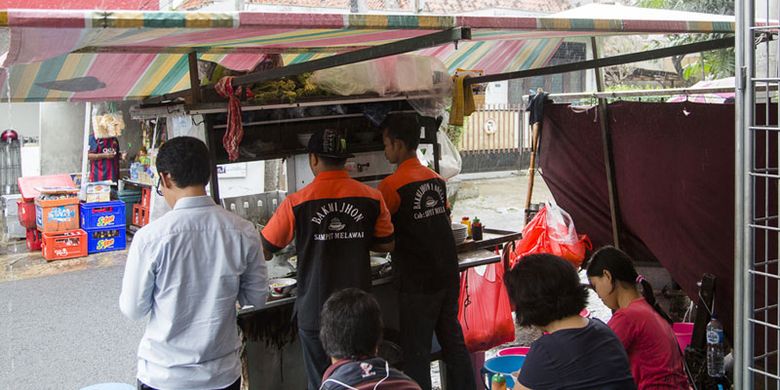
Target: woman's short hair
point(351, 325)
point(545, 288)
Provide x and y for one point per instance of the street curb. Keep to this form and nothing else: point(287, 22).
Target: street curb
point(489, 175)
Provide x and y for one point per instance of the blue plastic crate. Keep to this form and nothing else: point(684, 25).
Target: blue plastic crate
point(106, 240)
point(103, 215)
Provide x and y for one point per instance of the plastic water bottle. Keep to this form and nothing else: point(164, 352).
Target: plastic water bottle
point(715, 367)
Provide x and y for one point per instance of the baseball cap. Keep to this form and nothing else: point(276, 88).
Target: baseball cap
point(329, 143)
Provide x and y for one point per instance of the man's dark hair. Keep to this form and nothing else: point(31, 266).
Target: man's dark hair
point(404, 128)
point(332, 162)
point(187, 160)
point(351, 325)
point(545, 288)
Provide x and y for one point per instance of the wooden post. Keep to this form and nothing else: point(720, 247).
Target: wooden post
point(532, 165)
point(609, 161)
point(195, 93)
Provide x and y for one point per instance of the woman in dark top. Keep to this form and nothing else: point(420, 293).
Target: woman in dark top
point(575, 352)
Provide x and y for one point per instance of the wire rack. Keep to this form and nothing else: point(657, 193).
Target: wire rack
point(757, 281)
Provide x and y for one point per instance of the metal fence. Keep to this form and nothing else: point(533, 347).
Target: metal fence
point(494, 138)
point(757, 276)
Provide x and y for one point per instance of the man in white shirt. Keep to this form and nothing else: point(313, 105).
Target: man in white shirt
point(187, 270)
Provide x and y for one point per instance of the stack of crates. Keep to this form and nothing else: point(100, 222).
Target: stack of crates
point(58, 222)
point(104, 223)
point(141, 210)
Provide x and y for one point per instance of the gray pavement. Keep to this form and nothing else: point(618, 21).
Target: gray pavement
point(66, 332)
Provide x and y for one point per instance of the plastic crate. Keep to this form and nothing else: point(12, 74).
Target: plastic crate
point(34, 239)
point(26, 214)
point(60, 215)
point(140, 215)
point(106, 240)
point(64, 245)
point(102, 215)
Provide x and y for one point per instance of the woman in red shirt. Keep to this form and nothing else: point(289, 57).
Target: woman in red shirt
point(640, 324)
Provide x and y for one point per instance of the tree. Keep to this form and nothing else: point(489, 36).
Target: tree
point(712, 64)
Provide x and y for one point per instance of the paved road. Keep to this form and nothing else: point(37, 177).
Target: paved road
point(66, 332)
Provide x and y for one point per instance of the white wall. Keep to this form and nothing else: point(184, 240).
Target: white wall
point(62, 137)
point(497, 93)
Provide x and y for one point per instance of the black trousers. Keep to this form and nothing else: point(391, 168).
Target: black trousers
point(235, 386)
point(315, 360)
point(420, 316)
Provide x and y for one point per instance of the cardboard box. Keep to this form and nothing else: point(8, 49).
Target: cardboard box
point(98, 192)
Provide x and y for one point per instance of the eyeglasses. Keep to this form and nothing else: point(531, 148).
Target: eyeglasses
point(157, 187)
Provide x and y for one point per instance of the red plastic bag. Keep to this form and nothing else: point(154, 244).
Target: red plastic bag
point(485, 312)
point(552, 231)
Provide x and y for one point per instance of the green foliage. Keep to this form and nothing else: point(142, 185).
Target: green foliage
point(712, 64)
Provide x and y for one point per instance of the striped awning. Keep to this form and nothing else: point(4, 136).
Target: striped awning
point(127, 55)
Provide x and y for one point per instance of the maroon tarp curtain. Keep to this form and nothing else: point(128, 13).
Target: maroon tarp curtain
point(674, 170)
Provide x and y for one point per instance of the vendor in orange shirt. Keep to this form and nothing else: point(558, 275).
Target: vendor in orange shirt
point(335, 222)
point(425, 261)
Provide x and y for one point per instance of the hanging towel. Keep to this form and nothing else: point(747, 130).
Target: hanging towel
point(235, 128)
point(462, 101)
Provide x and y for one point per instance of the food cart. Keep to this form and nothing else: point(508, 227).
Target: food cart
point(162, 52)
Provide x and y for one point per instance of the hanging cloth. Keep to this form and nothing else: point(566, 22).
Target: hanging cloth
point(235, 128)
point(462, 101)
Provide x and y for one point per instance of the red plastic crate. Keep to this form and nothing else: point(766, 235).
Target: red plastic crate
point(26, 214)
point(140, 215)
point(146, 197)
point(34, 239)
point(64, 245)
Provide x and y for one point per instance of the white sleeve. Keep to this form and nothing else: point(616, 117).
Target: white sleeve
point(253, 288)
point(135, 300)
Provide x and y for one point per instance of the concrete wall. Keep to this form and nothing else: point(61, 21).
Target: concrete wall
point(62, 137)
point(23, 117)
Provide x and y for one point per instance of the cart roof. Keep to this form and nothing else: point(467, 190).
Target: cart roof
point(152, 47)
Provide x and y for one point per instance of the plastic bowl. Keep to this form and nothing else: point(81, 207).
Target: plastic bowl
point(514, 351)
point(282, 286)
point(684, 332)
point(505, 365)
point(459, 232)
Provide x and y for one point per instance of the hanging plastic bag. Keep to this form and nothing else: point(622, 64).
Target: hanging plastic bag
point(552, 231)
point(451, 162)
point(485, 313)
point(107, 121)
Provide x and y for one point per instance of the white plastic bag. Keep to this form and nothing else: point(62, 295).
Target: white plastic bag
point(392, 76)
point(450, 163)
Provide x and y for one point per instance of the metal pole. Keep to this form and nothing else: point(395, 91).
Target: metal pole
point(85, 155)
point(714, 44)
point(739, 202)
point(370, 53)
point(609, 161)
point(745, 296)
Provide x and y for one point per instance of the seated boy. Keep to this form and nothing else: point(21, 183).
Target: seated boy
point(350, 330)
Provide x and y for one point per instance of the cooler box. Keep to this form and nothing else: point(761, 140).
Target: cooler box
point(58, 215)
point(64, 245)
point(103, 215)
point(106, 240)
point(28, 184)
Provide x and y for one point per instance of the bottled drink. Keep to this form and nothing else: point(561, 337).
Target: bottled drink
point(476, 230)
point(715, 347)
point(498, 382)
point(466, 221)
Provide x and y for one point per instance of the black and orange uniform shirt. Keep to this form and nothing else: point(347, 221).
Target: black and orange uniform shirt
point(425, 258)
point(335, 220)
